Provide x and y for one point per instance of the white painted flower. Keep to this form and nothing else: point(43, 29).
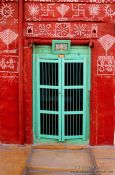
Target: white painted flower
point(80, 29)
point(6, 11)
point(62, 29)
point(45, 29)
point(33, 9)
point(94, 9)
point(109, 11)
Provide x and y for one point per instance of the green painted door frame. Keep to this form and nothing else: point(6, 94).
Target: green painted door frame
point(42, 55)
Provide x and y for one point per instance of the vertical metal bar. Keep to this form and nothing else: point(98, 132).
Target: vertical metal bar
point(84, 100)
point(55, 89)
point(73, 96)
point(76, 124)
point(46, 84)
point(63, 98)
point(52, 85)
point(43, 94)
point(52, 99)
point(70, 89)
point(55, 98)
point(67, 123)
point(55, 73)
point(73, 125)
point(79, 123)
point(73, 74)
point(48, 73)
point(79, 99)
point(67, 85)
point(38, 100)
point(70, 126)
point(54, 124)
point(46, 123)
point(60, 104)
point(76, 100)
point(52, 74)
point(46, 96)
point(67, 97)
point(49, 98)
point(80, 73)
point(77, 74)
point(45, 73)
point(43, 123)
point(43, 70)
point(49, 115)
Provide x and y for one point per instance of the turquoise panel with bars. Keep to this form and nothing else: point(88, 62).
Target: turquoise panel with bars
point(61, 85)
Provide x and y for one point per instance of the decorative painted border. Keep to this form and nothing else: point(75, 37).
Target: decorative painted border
point(8, 64)
point(69, 12)
point(88, 1)
point(61, 30)
point(105, 65)
point(9, 0)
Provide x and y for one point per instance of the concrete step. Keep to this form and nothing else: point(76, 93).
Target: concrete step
point(57, 173)
point(60, 161)
point(60, 147)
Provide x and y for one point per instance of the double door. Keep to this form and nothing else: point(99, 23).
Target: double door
point(61, 97)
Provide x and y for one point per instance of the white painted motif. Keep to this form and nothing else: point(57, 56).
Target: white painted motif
point(45, 29)
point(95, 1)
point(105, 65)
point(62, 29)
point(62, 9)
point(14, 51)
point(107, 41)
point(47, 10)
point(30, 30)
point(8, 36)
point(109, 12)
point(79, 10)
point(6, 11)
point(15, 21)
point(94, 30)
point(80, 29)
point(94, 9)
point(33, 10)
point(7, 64)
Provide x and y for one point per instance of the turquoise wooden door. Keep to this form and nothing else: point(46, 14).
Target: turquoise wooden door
point(73, 98)
point(60, 95)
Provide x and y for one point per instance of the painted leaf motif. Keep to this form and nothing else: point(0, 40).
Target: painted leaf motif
point(8, 36)
point(107, 41)
point(63, 9)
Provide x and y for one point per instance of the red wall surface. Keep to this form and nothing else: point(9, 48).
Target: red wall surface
point(39, 22)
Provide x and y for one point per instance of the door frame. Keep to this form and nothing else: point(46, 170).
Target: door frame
point(88, 65)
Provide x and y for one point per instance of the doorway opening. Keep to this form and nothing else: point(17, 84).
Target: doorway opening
point(61, 85)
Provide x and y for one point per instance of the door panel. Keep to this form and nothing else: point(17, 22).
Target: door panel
point(49, 108)
point(73, 96)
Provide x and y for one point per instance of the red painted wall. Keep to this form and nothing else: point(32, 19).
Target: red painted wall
point(82, 22)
